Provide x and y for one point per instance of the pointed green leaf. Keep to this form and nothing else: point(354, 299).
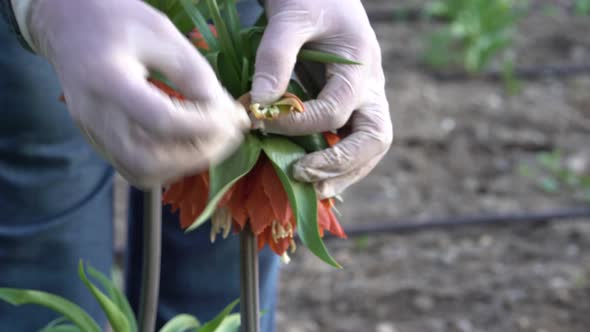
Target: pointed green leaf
point(262, 21)
point(231, 323)
point(310, 143)
point(200, 23)
point(56, 303)
point(226, 174)
point(295, 88)
point(117, 319)
point(225, 39)
point(302, 197)
point(214, 324)
point(55, 322)
point(213, 59)
point(181, 323)
point(116, 296)
point(245, 78)
point(62, 328)
point(323, 57)
point(233, 23)
point(229, 76)
point(251, 37)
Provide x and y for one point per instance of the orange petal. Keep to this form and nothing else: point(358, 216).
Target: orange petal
point(199, 194)
point(331, 138)
point(280, 246)
point(236, 203)
point(263, 238)
point(173, 193)
point(166, 88)
point(327, 220)
point(186, 214)
point(260, 214)
point(278, 199)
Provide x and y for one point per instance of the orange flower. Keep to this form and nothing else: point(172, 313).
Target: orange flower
point(258, 199)
point(198, 40)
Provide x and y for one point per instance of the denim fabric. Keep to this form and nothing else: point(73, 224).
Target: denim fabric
point(199, 277)
point(55, 193)
point(56, 203)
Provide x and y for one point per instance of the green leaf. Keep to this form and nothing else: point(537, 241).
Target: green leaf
point(62, 328)
point(233, 23)
point(245, 78)
point(231, 323)
point(549, 185)
point(214, 324)
point(200, 23)
point(117, 319)
point(323, 57)
point(251, 37)
point(229, 76)
point(55, 322)
point(225, 38)
point(310, 143)
point(261, 21)
point(116, 296)
point(226, 174)
point(213, 59)
point(295, 88)
point(56, 303)
point(302, 197)
point(181, 323)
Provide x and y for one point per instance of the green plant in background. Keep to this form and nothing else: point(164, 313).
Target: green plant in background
point(582, 7)
point(555, 177)
point(478, 31)
point(115, 306)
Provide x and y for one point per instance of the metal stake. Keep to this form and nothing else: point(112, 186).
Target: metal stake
point(152, 247)
point(249, 301)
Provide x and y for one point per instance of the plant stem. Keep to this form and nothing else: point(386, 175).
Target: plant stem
point(249, 302)
point(152, 246)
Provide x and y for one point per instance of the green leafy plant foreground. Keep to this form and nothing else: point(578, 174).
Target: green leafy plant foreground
point(115, 306)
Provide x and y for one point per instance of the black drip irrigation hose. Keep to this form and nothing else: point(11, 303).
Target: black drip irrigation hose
point(405, 226)
point(504, 219)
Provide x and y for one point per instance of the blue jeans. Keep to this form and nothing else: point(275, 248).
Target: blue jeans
point(56, 199)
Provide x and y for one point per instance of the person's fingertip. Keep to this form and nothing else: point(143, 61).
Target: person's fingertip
point(325, 189)
point(264, 89)
point(300, 173)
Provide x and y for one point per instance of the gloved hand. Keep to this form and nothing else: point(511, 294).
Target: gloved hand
point(353, 93)
point(101, 51)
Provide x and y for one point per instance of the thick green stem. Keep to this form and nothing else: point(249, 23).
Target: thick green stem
point(152, 246)
point(249, 302)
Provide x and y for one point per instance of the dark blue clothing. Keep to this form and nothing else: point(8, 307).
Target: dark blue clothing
point(56, 198)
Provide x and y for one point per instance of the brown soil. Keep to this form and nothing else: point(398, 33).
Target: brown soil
point(458, 150)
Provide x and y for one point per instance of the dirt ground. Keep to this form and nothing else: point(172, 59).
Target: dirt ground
point(458, 150)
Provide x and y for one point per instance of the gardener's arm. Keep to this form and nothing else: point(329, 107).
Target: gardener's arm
point(102, 51)
point(353, 94)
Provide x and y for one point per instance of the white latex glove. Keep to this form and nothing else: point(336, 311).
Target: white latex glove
point(354, 93)
point(101, 51)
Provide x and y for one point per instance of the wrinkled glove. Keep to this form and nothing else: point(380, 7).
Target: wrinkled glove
point(101, 51)
point(353, 94)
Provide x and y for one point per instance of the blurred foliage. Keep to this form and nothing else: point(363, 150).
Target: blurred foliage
point(582, 7)
point(478, 31)
point(555, 177)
